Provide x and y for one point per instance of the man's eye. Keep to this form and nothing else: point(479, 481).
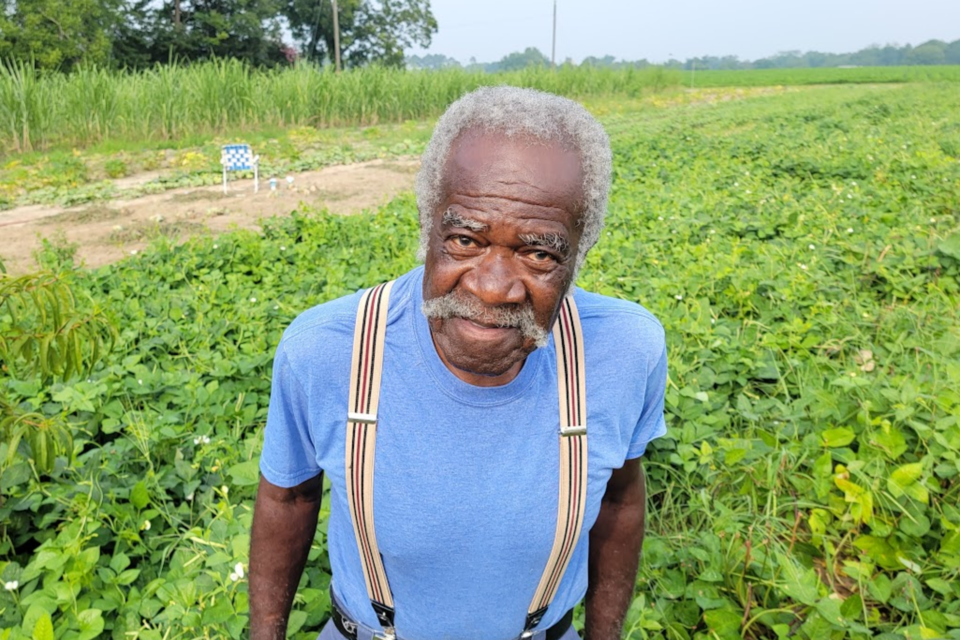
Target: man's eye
point(542, 256)
point(463, 241)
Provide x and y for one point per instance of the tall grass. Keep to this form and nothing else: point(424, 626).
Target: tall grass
point(41, 110)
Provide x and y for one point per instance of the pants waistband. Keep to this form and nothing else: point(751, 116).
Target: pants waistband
point(353, 630)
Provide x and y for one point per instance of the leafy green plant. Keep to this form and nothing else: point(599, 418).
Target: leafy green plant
point(44, 335)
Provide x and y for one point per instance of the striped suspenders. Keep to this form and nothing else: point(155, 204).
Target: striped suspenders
point(365, 371)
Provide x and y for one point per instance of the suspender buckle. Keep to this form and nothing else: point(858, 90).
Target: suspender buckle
point(573, 430)
point(365, 418)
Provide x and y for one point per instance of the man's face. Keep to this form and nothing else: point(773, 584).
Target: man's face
point(501, 252)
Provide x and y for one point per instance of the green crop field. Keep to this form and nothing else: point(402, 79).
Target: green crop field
point(852, 75)
point(802, 249)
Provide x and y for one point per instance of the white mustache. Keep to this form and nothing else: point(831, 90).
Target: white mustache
point(452, 305)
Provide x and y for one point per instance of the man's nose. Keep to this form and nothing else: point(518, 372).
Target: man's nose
point(496, 281)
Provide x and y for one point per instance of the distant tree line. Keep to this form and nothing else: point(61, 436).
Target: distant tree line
point(60, 34)
point(928, 53)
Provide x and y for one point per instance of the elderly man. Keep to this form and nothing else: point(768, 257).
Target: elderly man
point(480, 419)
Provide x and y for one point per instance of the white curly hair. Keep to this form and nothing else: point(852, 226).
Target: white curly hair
point(517, 112)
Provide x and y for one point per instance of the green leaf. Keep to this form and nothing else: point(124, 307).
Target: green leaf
point(880, 588)
point(245, 473)
point(800, 584)
point(139, 496)
point(941, 586)
point(91, 624)
point(951, 246)
point(725, 622)
point(43, 629)
point(906, 474)
point(297, 620)
point(840, 437)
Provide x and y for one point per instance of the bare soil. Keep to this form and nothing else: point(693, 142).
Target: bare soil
point(107, 231)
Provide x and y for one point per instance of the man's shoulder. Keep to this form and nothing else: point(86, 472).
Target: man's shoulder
point(620, 324)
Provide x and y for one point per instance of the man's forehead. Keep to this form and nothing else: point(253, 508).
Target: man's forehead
point(491, 162)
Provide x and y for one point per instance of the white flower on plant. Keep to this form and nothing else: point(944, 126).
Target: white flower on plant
point(812, 247)
point(216, 246)
point(736, 184)
point(140, 382)
point(850, 230)
point(225, 489)
point(678, 297)
point(145, 526)
point(913, 177)
point(849, 196)
point(11, 586)
point(275, 307)
point(201, 440)
point(189, 497)
point(253, 299)
point(238, 569)
point(933, 221)
point(133, 252)
point(282, 248)
point(852, 183)
point(660, 218)
point(803, 266)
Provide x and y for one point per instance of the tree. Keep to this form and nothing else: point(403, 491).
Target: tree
point(432, 61)
point(371, 31)
point(931, 52)
point(248, 30)
point(56, 34)
point(531, 57)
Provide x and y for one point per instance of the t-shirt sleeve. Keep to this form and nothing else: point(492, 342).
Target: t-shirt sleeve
point(289, 456)
point(651, 424)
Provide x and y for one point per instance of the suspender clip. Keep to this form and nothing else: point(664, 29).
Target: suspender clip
point(573, 430)
point(365, 418)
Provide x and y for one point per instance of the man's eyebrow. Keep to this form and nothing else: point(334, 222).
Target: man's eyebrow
point(453, 219)
point(553, 241)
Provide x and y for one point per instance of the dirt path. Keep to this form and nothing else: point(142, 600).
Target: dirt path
point(109, 230)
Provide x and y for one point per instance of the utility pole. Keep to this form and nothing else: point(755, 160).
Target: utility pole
point(553, 47)
point(336, 35)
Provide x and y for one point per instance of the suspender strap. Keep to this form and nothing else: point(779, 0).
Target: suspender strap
point(365, 369)
point(571, 390)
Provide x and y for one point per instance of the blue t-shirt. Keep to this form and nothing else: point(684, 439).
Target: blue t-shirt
point(466, 477)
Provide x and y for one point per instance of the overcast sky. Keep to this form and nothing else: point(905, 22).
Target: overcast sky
point(631, 30)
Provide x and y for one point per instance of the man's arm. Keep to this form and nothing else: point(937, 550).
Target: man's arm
point(615, 542)
point(284, 523)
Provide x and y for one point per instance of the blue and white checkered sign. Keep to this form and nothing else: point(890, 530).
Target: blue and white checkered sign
point(237, 157)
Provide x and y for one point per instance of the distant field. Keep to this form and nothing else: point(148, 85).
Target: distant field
point(856, 75)
point(90, 106)
point(40, 112)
